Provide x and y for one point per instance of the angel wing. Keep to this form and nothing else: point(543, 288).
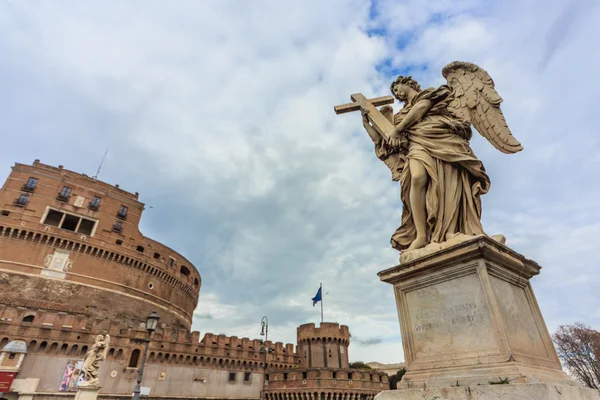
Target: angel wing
point(476, 101)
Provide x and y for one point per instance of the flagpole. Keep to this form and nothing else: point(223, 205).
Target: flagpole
point(321, 289)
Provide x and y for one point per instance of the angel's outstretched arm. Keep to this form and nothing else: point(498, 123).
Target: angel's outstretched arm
point(413, 116)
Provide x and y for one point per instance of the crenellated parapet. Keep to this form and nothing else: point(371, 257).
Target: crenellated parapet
point(325, 346)
point(62, 334)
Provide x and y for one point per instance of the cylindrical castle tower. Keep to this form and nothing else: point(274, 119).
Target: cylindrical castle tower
point(323, 347)
point(70, 243)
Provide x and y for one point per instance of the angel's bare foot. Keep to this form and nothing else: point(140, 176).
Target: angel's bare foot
point(418, 243)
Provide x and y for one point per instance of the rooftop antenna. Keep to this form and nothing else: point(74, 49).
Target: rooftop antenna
point(100, 166)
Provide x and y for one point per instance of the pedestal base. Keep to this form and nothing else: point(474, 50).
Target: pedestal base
point(468, 317)
point(535, 391)
point(87, 393)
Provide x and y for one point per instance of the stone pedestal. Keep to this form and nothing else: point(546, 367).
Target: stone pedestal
point(468, 317)
point(519, 391)
point(87, 393)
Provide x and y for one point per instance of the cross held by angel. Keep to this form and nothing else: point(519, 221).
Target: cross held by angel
point(426, 147)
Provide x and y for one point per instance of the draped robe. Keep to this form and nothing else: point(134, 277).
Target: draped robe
point(457, 179)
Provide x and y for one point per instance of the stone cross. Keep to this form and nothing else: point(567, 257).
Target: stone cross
point(377, 119)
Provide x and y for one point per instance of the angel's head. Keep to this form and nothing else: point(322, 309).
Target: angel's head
point(403, 86)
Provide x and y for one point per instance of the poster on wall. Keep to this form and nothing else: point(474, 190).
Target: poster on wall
point(6, 379)
point(72, 376)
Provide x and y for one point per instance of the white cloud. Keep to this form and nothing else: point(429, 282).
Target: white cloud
point(221, 115)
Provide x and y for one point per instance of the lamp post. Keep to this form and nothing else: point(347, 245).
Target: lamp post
point(151, 323)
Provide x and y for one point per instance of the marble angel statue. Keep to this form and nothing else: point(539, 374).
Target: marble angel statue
point(91, 362)
point(426, 147)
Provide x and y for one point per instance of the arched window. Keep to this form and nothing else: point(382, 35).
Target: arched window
point(29, 318)
point(184, 270)
point(133, 361)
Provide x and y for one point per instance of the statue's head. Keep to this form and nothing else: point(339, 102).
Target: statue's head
point(99, 338)
point(402, 86)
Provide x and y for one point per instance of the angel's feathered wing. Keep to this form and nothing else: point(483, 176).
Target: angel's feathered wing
point(476, 101)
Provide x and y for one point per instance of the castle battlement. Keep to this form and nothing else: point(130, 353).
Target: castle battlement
point(59, 333)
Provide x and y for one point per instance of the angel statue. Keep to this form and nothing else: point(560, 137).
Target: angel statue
point(426, 147)
point(91, 362)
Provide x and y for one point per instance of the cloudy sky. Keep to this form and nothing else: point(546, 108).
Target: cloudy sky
point(220, 113)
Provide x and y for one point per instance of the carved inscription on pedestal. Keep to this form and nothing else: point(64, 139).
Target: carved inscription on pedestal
point(450, 317)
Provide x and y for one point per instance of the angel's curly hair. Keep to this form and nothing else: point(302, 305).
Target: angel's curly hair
point(406, 80)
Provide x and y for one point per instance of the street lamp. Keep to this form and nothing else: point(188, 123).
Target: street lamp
point(151, 323)
point(264, 322)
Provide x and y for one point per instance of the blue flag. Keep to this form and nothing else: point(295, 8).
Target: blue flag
point(317, 297)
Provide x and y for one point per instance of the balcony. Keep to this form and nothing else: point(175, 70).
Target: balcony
point(117, 228)
point(122, 215)
point(28, 188)
point(63, 197)
point(21, 201)
point(94, 207)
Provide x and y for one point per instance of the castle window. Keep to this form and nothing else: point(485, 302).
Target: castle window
point(266, 377)
point(12, 356)
point(246, 376)
point(122, 212)
point(184, 270)
point(285, 376)
point(156, 256)
point(30, 185)
point(304, 375)
point(53, 218)
point(29, 318)
point(119, 242)
point(350, 375)
point(118, 227)
point(140, 249)
point(64, 194)
point(5, 213)
point(232, 376)
point(70, 222)
point(171, 261)
point(196, 282)
point(133, 360)
point(94, 204)
point(86, 226)
point(334, 375)
point(371, 377)
point(22, 200)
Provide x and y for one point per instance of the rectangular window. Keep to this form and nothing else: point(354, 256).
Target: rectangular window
point(285, 376)
point(66, 191)
point(95, 203)
point(5, 213)
point(171, 261)
point(70, 222)
point(267, 377)
point(246, 376)
point(334, 375)
point(350, 375)
point(30, 185)
point(304, 375)
point(122, 212)
point(118, 226)
point(232, 377)
point(86, 227)
point(53, 218)
point(22, 200)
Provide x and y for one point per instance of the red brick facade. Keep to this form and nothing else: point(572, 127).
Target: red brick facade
point(93, 225)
